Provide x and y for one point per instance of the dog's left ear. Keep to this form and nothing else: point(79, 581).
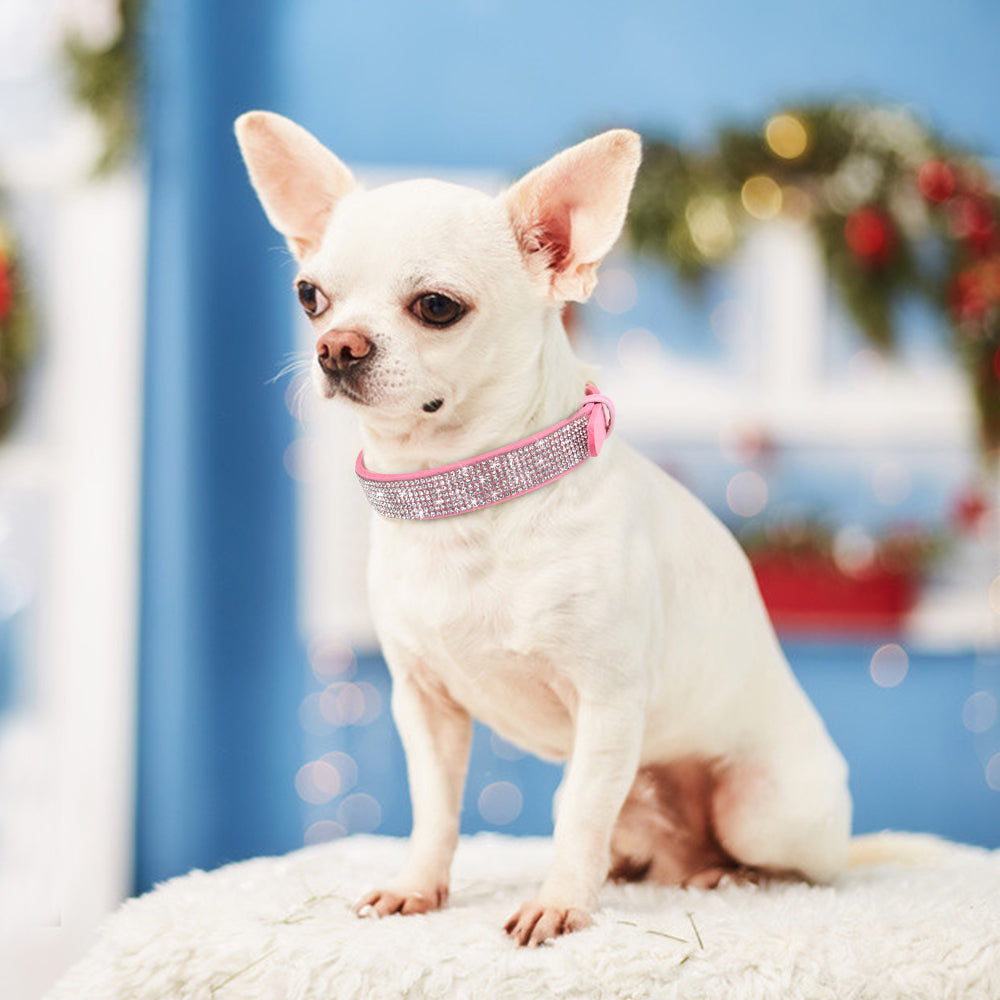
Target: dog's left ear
point(568, 212)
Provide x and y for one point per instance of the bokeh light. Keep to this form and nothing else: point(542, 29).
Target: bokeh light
point(638, 348)
point(979, 712)
point(993, 772)
point(503, 749)
point(342, 703)
point(889, 665)
point(786, 136)
point(853, 549)
point(332, 658)
point(761, 197)
point(746, 493)
point(323, 830)
point(500, 803)
point(359, 813)
point(617, 291)
point(317, 782)
point(708, 222)
point(346, 767)
point(300, 460)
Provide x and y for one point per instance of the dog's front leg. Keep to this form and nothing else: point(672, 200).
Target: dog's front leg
point(606, 747)
point(436, 732)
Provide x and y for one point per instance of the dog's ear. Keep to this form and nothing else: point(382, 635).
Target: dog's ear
point(297, 179)
point(568, 212)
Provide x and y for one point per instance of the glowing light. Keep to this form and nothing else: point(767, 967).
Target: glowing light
point(359, 813)
point(787, 136)
point(332, 658)
point(504, 750)
point(746, 493)
point(995, 595)
point(317, 782)
point(322, 831)
point(761, 197)
point(993, 772)
point(891, 483)
point(346, 768)
point(708, 221)
point(500, 803)
point(373, 703)
point(979, 712)
point(616, 291)
point(300, 460)
point(889, 665)
point(853, 550)
point(342, 703)
point(638, 348)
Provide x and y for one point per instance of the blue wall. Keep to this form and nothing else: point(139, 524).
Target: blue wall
point(479, 84)
point(500, 83)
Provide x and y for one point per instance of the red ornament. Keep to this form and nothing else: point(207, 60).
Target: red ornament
point(936, 181)
point(972, 220)
point(969, 509)
point(968, 297)
point(6, 289)
point(870, 234)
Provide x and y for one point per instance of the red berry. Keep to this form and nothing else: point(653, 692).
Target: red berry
point(936, 181)
point(870, 234)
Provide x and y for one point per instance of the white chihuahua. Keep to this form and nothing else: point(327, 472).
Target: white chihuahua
point(606, 617)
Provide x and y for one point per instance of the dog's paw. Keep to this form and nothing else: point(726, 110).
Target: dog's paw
point(384, 902)
point(535, 923)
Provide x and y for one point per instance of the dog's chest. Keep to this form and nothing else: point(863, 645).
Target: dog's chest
point(483, 612)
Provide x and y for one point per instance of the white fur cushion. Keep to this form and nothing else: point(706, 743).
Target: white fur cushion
point(282, 928)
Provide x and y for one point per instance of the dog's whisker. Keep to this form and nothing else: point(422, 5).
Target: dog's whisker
point(297, 365)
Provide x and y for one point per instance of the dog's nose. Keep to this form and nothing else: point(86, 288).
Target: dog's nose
point(338, 350)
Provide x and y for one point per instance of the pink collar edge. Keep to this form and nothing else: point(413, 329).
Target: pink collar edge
point(597, 408)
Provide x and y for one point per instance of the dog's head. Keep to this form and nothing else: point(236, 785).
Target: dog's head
point(421, 293)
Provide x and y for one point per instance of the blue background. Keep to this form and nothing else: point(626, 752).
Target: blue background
point(488, 85)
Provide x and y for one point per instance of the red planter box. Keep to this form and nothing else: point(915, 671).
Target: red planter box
point(808, 594)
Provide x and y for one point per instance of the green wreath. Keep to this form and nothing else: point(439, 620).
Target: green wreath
point(105, 79)
point(15, 330)
point(896, 210)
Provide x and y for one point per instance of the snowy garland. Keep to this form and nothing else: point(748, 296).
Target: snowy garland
point(896, 209)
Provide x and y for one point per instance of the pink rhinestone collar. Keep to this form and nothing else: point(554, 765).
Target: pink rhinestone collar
point(497, 476)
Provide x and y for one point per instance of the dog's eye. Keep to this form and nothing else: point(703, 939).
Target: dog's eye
point(313, 300)
point(436, 309)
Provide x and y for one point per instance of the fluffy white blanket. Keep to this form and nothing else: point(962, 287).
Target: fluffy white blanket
point(282, 928)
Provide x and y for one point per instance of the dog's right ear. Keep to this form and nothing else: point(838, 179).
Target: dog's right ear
point(298, 180)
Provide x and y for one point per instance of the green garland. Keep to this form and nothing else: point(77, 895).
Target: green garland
point(895, 208)
point(15, 330)
point(106, 81)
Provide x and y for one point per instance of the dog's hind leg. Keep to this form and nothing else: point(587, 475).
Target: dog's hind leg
point(786, 813)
